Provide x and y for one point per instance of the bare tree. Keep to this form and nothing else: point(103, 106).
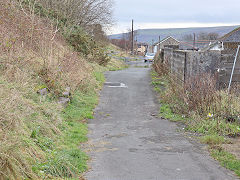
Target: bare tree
point(82, 12)
point(208, 36)
point(188, 37)
point(213, 36)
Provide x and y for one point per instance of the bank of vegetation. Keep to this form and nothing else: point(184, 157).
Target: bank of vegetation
point(211, 113)
point(47, 53)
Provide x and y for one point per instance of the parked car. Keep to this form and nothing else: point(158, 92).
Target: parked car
point(149, 57)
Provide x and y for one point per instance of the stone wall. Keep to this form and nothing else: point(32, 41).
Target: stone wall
point(184, 64)
point(202, 62)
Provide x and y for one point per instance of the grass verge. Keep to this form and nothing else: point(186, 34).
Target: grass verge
point(64, 158)
point(215, 131)
point(226, 159)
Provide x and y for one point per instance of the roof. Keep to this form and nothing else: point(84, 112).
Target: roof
point(165, 40)
point(233, 36)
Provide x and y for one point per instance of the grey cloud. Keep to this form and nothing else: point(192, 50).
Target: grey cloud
point(170, 11)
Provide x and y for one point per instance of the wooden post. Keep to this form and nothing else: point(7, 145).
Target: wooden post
point(159, 40)
point(132, 39)
point(152, 46)
point(194, 41)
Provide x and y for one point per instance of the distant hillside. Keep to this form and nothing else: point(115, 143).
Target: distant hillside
point(147, 35)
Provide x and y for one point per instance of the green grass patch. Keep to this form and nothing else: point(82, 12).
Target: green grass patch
point(166, 112)
point(212, 139)
point(213, 126)
point(81, 106)
point(99, 77)
point(64, 163)
point(64, 158)
point(226, 159)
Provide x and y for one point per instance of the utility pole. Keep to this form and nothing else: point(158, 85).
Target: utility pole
point(194, 41)
point(152, 46)
point(125, 42)
point(159, 40)
point(132, 39)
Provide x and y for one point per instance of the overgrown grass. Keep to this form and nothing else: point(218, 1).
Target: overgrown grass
point(82, 42)
point(211, 113)
point(38, 139)
point(62, 156)
point(212, 117)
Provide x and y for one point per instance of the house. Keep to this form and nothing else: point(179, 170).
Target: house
point(142, 48)
point(199, 45)
point(229, 41)
point(215, 46)
point(168, 42)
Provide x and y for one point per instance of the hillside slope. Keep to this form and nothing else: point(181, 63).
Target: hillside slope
point(147, 35)
point(39, 139)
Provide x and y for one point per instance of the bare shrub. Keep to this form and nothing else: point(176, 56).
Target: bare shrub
point(200, 91)
point(84, 13)
point(174, 93)
point(210, 110)
point(161, 68)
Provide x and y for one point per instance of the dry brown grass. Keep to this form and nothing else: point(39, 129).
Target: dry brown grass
point(199, 94)
point(32, 46)
point(32, 55)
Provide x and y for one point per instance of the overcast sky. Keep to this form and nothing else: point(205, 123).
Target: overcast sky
point(175, 13)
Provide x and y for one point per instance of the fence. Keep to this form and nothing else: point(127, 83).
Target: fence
point(185, 64)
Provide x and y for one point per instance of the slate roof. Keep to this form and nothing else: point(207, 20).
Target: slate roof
point(233, 36)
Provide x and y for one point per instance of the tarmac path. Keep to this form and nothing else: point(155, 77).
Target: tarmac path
point(127, 141)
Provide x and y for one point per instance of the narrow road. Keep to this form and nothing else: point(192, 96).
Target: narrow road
point(129, 142)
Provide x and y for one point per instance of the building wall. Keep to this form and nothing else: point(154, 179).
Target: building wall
point(225, 68)
point(231, 45)
point(168, 42)
point(141, 50)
